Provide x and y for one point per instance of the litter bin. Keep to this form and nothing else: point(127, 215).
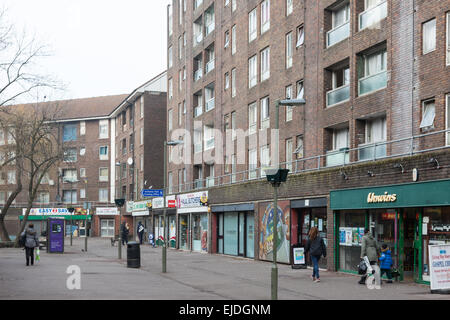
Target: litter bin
point(133, 255)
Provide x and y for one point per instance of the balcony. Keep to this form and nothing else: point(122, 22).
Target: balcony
point(198, 74)
point(338, 34)
point(210, 27)
point(372, 151)
point(209, 66)
point(338, 157)
point(198, 184)
point(338, 95)
point(210, 182)
point(372, 83)
point(198, 39)
point(198, 110)
point(372, 15)
point(210, 104)
point(198, 148)
point(209, 144)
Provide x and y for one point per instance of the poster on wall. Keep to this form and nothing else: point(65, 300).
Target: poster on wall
point(266, 213)
point(346, 236)
point(439, 256)
point(355, 236)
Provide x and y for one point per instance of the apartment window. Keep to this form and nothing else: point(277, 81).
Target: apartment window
point(233, 125)
point(448, 38)
point(170, 21)
point(70, 155)
point(184, 106)
point(211, 59)
point(300, 36)
point(252, 72)
point(170, 58)
point(69, 175)
point(376, 130)
point(340, 138)
point(340, 86)
point(180, 179)
point(82, 151)
point(428, 115)
point(169, 120)
point(265, 159)
point(198, 110)
point(198, 31)
point(180, 47)
point(289, 7)
point(289, 50)
point(103, 152)
point(375, 11)
point(289, 152)
point(209, 20)
point(252, 118)
point(265, 16)
point(265, 114)
point(233, 82)
point(289, 109)
point(210, 178)
point(227, 81)
point(374, 75)
point(226, 3)
point(252, 25)
point(300, 90)
point(209, 97)
point(340, 20)
point(233, 40)
point(447, 117)
point(142, 136)
point(103, 195)
point(142, 162)
point(170, 183)
point(198, 143)
point(70, 196)
point(44, 197)
point(180, 80)
point(209, 137)
point(82, 128)
point(103, 174)
point(252, 163)
point(124, 146)
point(198, 67)
point(299, 150)
point(103, 129)
point(69, 133)
point(265, 64)
point(82, 193)
point(233, 5)
point(170, 88)
point(429, 36)
point(83, 172)
point(12, 177)
point(227, 39)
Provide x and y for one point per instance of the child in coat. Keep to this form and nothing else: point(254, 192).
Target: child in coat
point(386, 262)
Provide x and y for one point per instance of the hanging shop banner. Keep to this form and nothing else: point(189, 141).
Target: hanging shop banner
point(141, 205)
point(106, 211)
point(439, 267)
point(158, 203)
point(193, 202)
point(266, 212)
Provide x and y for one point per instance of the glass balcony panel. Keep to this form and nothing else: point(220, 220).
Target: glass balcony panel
point(373, 83)
point(209, 144)
point(338, 34)
point(210, 182)
point(337, 158)
point(373, 15)
point(338, 95)
point(198, 74)
point(372, 152)
point(210, 66)
point(210, 104)
point(198, 184)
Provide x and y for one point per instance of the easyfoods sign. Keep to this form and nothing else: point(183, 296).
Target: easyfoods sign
point(47, 211)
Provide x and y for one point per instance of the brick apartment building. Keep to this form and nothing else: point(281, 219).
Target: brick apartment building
point(87, 176)
point(375, 78)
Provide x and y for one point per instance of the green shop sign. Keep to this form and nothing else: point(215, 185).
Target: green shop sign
point(424, 194)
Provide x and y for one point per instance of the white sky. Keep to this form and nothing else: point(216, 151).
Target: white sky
point(99, 47)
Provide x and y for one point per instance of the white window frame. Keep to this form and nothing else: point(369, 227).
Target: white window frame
point(265, 158)
point(82, 172)
point(233, 82)
point(252, 163)
point(425, 38)
point(170, 57)
point(289, 7)
point(233, 40)
point(82, 128)
point(103, 129)
point(299, 151)
point(427, 123)
point(289, 151)
point(252, 71)
point(103, 191)
point(103, 156)
point(336, 134)
point(447, 39)
point(265, 16)
point(265, 64)
point(300, 36)
point(289, 50)
point(252, 118)
point(265, 113)
point(370, 125)
point(289, 109)
point(169, 120)
point(103, 178)
point(252, 25)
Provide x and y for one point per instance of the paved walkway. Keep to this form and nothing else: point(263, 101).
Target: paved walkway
point(190, 276)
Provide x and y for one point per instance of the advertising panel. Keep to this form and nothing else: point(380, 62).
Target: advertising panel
point(439, 267)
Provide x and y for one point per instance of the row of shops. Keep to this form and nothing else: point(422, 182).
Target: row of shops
point(407, 217)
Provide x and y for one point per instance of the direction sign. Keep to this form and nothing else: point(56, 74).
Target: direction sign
point(146, 193)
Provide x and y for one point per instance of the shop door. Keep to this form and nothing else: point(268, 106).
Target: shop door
point(410, 225)
point(184, 231)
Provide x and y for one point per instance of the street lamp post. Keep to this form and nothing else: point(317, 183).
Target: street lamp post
point(119, 203)
point(276, 176)
point(164, 248)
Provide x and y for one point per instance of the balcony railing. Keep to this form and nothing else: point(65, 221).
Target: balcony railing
point(372, 151)
point(198, 110)
point(210, 27)
point(209, 144)
point(372, 15)
point(372, 83)
point(209, 66)
point(364, 153)
point(338, 95)
point(338, 34)
point(338, 157)
point(198, 74)
point(198, 38)
point(198, 147)
point(210, 182)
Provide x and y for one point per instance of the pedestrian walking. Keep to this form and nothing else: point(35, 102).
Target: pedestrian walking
point(140, 232)
point(31, 242)
point(386, 262)
point(125, 229)
point(316, 248)
point(371, 249)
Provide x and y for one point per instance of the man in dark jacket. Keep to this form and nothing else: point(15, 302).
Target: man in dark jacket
point(140, 232)
point(31, 242)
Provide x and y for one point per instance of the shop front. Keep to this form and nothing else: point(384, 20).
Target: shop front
point(76, 221)
point(308, 213)
point(235, 229)
point(141, 214)
point(158, 220)
point(107, 220)
point(193, 221)
point(406, 217)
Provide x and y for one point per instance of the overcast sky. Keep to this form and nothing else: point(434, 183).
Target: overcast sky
point(99, 47)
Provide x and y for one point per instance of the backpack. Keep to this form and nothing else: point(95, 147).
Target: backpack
point(22, 240)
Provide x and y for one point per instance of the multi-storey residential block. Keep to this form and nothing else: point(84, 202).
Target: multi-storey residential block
point(375, 78)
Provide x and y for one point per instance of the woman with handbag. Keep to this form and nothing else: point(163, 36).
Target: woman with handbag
point(316, 248)
point(31, 242)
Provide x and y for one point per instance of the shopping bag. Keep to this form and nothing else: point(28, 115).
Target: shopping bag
point(38, 255)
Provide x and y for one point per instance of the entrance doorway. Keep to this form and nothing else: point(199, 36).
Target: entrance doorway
point(308, 218)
